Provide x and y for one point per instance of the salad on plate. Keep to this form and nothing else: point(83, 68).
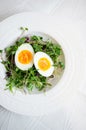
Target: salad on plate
point(31, 62)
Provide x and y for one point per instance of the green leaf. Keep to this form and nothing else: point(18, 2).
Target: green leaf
point(21, 28)
point(34, 38)
point(30, 86)
point(1, 51)
point(22, 40)
point(37, 47)
point(8, 49)
point(61, 64)
point(24, 28)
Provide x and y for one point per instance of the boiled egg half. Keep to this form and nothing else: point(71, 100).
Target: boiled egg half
point(43, 63)
point(24, 56)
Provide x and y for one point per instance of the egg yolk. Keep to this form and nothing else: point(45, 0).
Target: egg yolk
point(25, 57)
point(44, 64)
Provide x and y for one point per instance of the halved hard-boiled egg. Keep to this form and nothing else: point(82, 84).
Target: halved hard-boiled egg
point(43, 64)
point(24, 56)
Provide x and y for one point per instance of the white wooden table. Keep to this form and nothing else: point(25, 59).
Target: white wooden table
point(71, 115)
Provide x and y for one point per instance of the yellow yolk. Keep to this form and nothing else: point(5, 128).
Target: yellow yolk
point(25, 57)
point(44, 64)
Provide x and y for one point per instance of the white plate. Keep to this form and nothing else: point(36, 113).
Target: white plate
point(40, 104)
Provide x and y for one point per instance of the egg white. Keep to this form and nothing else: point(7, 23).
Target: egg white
point(21, 66)
point(37, 57)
